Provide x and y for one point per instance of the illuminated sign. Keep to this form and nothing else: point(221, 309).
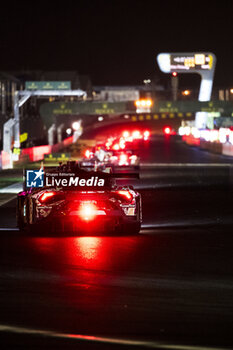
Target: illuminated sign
point(188, 62)
point(23, 137)
point(199, 61)
point(48, 85)
point(57, 157)
point(202, 63)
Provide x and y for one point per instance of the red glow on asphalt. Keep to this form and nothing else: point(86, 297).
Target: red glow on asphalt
point(88, 247)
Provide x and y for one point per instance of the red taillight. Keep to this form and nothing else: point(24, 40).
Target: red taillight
point(125, 195)
point(122, 144)
point(88, 211)
point(136, 134)
point(87, 153)
point(167, 130)
point(123, 159)
point(116, 147)
point(125, 134)
point(46, 195)
point(146, 133)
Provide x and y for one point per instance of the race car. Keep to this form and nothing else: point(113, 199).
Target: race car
point(116, 158)
point(126, 159)
point(94, 159)
point(136, 138)
point(75, 200)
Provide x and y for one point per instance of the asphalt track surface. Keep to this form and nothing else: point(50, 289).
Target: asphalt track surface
point(169, 287)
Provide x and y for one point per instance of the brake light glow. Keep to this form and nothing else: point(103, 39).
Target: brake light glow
point(136, 134)
point(88, 211)
point(123, 159)
point(133, 159)
point(87, 153)
point(125, 194)
point(122, 144)
point(167, 130)
point(116, 147)
point(46, 195)
point(146, 135)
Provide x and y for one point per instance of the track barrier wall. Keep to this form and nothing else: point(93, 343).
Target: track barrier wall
point(33, 154)
point(215, 147)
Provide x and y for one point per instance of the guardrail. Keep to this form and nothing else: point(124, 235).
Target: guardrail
point(33, 154)
point(5, 160)
point(37, 153)
point(215, 147)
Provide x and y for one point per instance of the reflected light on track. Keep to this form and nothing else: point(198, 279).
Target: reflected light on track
point(65, 254)
point(88, 247)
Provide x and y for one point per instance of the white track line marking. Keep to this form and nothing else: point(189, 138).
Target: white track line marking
point(95, 339)
point(14, 188)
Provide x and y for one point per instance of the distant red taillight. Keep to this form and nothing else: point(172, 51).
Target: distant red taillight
point(123, 159)
point(125, 134)
point(167, 130)
point(136, 134)
point(146, 135)
point(87, 153)
point(116, 147)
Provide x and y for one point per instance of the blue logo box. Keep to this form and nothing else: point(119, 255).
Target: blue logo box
point(35, 178)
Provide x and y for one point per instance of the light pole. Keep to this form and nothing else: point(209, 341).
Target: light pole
point(174, 84)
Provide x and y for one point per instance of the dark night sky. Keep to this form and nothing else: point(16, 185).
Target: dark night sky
point(115, 42)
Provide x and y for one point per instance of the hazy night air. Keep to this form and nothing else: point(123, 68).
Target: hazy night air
point(116, 42)
point(116, 175)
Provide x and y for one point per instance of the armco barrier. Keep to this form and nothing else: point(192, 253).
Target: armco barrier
point(58, 146)
point(215, 147)
point(227, 149)
point(37, 153)
point(190, 140)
